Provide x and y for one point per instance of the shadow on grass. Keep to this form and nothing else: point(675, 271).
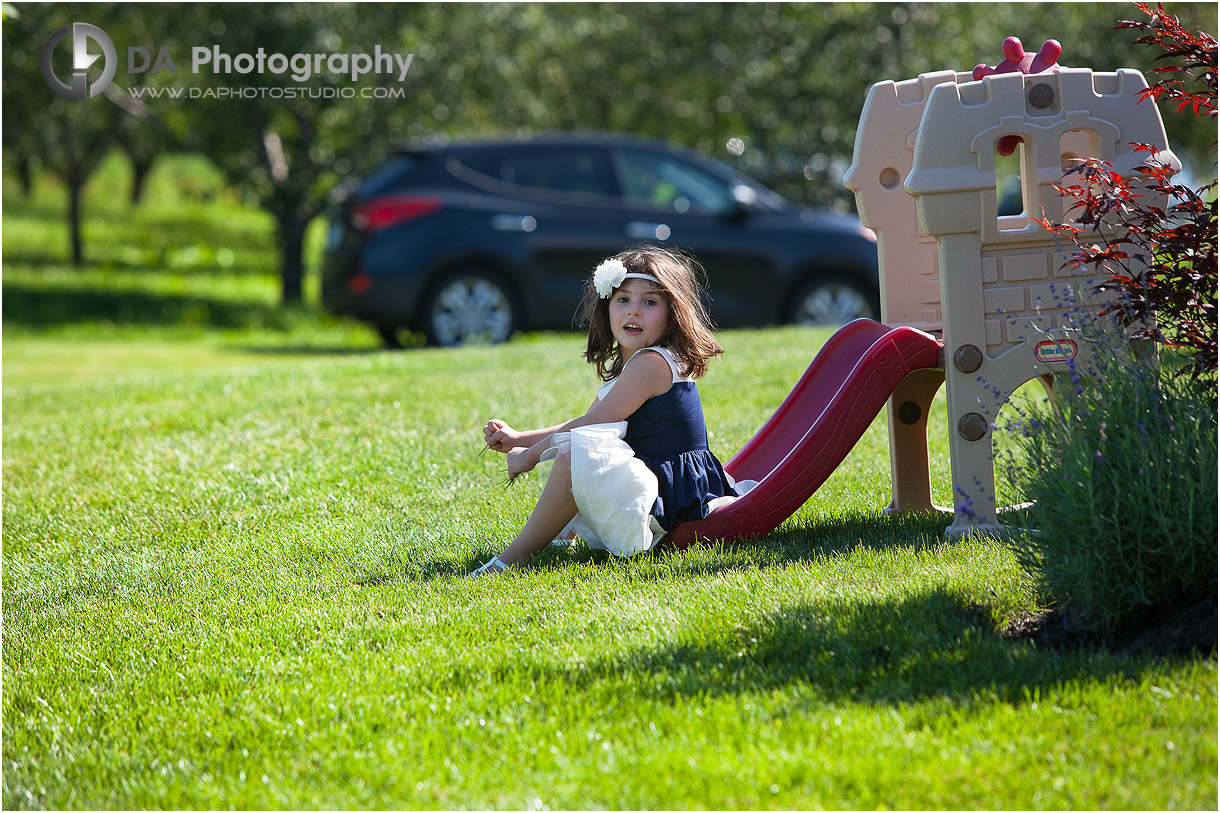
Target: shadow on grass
point(810, 542)
point(930, 646)
point(794, 544)
point(938, 644)
point(313, 350)
point(122, 237)
point(33, 307)
point(36, 308)
point(933, 646)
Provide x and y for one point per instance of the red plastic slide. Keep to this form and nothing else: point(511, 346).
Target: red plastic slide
point(815, 427)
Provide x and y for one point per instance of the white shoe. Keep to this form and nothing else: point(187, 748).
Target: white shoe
point(491, 568)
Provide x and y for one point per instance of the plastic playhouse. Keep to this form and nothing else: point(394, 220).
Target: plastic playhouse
point(970, 298)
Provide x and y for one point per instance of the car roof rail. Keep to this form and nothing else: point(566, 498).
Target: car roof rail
point(414, 148)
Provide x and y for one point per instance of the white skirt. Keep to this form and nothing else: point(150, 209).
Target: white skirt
point(614, 491)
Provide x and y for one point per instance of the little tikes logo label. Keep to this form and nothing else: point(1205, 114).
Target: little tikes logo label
point(301, 67)
point(79, 87)
point(1060, 350)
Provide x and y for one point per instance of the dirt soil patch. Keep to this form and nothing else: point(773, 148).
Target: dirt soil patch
point(1183, 630)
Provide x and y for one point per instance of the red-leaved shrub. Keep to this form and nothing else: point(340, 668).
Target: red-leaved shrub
point(1161, 261)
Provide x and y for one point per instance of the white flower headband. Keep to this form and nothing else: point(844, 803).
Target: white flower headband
point(611, 274)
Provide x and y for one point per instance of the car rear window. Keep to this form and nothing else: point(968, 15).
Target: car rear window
point(388, 176)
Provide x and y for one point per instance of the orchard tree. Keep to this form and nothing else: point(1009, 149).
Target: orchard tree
point(67, 136)
point(286, 144)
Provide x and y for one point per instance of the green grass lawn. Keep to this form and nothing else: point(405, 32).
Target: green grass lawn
point(234, 555)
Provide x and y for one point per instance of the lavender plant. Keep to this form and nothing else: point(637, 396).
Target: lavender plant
point(1123, 476)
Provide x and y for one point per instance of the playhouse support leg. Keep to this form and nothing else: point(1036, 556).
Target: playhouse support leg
point(973, 487)
point(1048, 383)
point(973, 404)
point(907, 412)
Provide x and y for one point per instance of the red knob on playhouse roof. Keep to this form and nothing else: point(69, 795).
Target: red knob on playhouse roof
point(1018, 61)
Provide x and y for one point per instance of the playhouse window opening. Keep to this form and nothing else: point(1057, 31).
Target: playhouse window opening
point(1010, 188)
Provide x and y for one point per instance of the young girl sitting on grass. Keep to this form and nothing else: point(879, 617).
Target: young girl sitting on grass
point(637, 462)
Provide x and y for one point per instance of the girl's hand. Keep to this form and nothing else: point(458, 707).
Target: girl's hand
point(520, 461)
point(500, 437)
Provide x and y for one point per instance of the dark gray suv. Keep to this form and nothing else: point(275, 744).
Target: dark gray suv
point(471, 242)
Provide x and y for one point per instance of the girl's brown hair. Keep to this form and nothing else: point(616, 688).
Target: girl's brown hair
point(689, 334)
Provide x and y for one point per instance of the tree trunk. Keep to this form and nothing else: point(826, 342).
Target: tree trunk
point(292, 256)
point(75, 187)
point(25, 174)
point(139, 174)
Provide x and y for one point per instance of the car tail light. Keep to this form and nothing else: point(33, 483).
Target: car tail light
point(391, 210)
point(360, 283)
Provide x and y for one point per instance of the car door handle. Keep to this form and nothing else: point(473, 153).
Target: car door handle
point(643, 230)
point(506, 222)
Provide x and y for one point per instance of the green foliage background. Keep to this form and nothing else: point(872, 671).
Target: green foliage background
point(785, 80)
point(788, 79)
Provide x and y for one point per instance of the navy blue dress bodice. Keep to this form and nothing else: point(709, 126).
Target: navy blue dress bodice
point(667, 434)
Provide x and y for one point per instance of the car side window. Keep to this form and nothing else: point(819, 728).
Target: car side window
point(582, 171)
point(542, 170)
point(485, 163)
point(672, 185)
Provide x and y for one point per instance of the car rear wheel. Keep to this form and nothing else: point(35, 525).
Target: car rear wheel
point(470, 307)
point(834, 301)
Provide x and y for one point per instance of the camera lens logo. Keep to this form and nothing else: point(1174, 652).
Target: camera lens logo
point(81, 60)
